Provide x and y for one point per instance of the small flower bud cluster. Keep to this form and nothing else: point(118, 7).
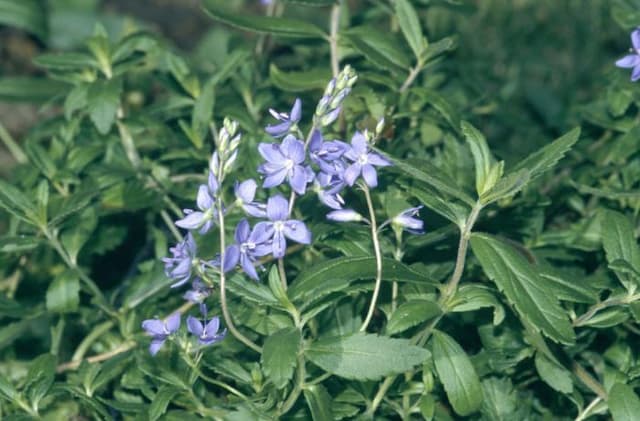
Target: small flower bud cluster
point(337, 89)
point(224, 158)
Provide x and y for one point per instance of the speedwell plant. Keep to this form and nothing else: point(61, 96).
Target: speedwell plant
point(304, 224)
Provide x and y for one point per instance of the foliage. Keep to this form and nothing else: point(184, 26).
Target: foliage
point(455, 262)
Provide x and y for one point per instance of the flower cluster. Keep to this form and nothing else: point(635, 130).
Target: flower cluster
point(292, 161)
point(207, 333)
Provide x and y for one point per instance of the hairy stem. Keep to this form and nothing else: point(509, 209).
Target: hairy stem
point(610, 302)
point(223, 290)
point(82, 349)
point(415, 71)
point(589, 381)
point(378, 254)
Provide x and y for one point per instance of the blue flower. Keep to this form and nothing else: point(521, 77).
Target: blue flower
point(363, 162)
point(160, 330)
point(344, 215)
point(326, 155)
point(178, 267)
point(206, 203)
point(280, 227)
point(288, 122)
point(406, 220)
point(198, 293)
point(328, 187)
point(285, 161)
point(632, 61)
point(207, 333)
point(245, 193)
point(249, 245)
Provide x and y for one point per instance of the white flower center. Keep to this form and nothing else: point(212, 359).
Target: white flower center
point(363, 159)
point(278, 225)
point(289, 164)
point(245, 247)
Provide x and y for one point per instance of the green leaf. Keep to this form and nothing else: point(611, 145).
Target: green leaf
point(30, 89)
point(424, 171)
point(620, 243)
point(500, 399)
point(63, 295)
point(319, 402)
point(472, 297)
point(276, 26)
point(11, 244)
point(203, 111)
point(17, 203)
point(251, 291)
point(336, 274)
point(7, 390)
point(547, 157)
point(161, 401)
point(30, 15)
point(623, 403)
point(573, 290)
point(40, 378)
point(279, 355)
point(299, 81)
point(410, 314)
point(523, 287)
point(482, 158)
point(441, 104)
point(410, 26)
point(365, 357)
point(507, 186)
point(66, 61)
point(445, 208)
point(103, 100)
point(379, 47)
point(553, 374)
point(456, 374)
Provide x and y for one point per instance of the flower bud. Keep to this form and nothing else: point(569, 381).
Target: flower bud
point(344, 215)
point(379, 127)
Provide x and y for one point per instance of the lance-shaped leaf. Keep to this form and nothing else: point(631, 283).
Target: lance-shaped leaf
point(523, 286)
point(547, 157)
point(319, 402)
point(620, 243)
point(299, 81)
point(457, 374)
point(484, 162)
point(410, 26)
point(410, 314)
point(283, 27)
point(365, 357)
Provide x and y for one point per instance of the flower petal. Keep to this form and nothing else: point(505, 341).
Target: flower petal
point(271, 153)
point(635, 74)
point(277, 208)
point(297, 231)
point(635, 38)
point(262, 232)
point(279, 245)
point(194, 326)
point(298, 179)
point(246, 191)
point(344, 215)
point(173, 322)
point(628, 61)
point(294, 149)
point(255, 209)
point(155, 346)
point(359, 143)
point(370, 176)
point(212, 327)
point(231, 257)
point(275, 178)
point(191, 221)
point(296, 111)
point(248, 268)
point(243, 230)
point(377, 159)
point(154, 327)
point(351, 173)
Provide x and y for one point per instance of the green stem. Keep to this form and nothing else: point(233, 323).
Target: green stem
point(223, 290)
point(96, 333)
point(610, 302)
point(378, 254)
point(333, 38)
point(12, 146)
point(297, 388)
point(282, 273)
